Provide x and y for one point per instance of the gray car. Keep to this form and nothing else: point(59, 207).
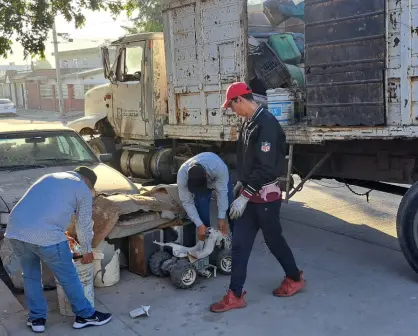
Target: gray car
point(29, 151)
point(7, 107)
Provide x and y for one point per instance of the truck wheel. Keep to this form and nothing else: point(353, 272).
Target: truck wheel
point(224, 261)
point(183, 274)
point(155, 262)
point(105, 145)
point(407, 226)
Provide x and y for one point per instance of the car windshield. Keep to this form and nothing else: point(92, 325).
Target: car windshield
point(43, 149)
point(5, 101)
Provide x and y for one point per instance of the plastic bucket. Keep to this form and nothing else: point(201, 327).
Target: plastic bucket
point(281, 103)
point(106, 275)
point(85, 273)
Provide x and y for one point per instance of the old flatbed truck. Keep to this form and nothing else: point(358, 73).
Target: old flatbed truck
point(163, 101)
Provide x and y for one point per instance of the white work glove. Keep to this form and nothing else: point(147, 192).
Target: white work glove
point(238, 207)
point(236, 190)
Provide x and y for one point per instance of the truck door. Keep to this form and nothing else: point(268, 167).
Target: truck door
point(205, 45)
point(128, 115)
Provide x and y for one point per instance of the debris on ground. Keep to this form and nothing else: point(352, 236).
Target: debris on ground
point(143, 310)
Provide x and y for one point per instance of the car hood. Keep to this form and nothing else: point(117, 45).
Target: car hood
point(13, 185)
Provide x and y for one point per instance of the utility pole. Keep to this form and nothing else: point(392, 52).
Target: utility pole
point(58, 70)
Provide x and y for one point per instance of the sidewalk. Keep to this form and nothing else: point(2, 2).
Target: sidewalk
point(47, 116)
point(353, 288)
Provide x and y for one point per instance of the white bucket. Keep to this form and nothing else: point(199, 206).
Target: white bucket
point(106, 273)
point(85, 273)
point(281, 103)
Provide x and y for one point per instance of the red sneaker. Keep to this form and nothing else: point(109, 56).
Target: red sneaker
point(228, 302)
point(290, 287)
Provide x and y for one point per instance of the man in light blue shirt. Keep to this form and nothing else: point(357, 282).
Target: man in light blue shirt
point(196, 179)
point(36, 229)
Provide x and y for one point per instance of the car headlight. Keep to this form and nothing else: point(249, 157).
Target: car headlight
point(4, 218)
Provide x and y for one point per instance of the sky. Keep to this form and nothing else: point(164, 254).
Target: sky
point(99, 26)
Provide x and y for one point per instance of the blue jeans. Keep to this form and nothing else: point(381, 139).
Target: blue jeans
point(202, 203)
point(60, 261)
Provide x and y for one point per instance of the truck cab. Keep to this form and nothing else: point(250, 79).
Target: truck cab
point(126, 116)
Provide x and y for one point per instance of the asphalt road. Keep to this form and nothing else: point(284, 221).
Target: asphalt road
point(39, 117)
point(358, 282)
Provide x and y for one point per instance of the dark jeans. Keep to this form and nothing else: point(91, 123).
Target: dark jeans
point(265, 216)
point(202, 203)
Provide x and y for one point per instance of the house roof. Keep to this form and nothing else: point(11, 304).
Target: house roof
point(15, 67)
point(84, 73)
point(9, 74)
point(43, 74)
point(84, 50)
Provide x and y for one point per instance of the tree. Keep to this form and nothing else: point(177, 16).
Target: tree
point(41, 63)
point(146, 16)
point(29, 22)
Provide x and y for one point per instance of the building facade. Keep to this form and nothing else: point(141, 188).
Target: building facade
point(32, 89)
point(81, 59)
point(42, 90)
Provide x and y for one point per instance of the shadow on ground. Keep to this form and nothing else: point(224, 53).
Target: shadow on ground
point(300, 213)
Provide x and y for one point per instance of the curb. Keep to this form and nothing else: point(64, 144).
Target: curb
point(8, 304)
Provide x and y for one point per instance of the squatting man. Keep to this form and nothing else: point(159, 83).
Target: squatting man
point(196, 179)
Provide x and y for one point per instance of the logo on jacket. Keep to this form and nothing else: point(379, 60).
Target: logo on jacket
point(265, 147)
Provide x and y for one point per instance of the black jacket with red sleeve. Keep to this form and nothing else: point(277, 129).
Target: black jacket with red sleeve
point(261, 152)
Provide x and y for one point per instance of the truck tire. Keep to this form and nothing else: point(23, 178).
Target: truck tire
point(155, 262)
point(183, 274)
point(407, 226)
point(105, 145)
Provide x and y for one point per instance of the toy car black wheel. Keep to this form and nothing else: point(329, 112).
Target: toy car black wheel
point(155, 262)
point(183, 274)
point(224, 261)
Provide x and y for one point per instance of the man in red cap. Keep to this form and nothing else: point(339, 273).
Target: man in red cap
point(260, 161)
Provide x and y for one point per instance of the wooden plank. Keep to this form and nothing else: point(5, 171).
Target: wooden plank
point(141, 248)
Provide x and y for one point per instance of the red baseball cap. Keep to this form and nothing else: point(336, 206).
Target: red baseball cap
point(235, 90)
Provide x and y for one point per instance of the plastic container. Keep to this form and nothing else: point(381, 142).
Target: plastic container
point(281, 103)
point(292, 10)
point(271, 9)
point(285, 48)
point(299, 39)
point(253, 43)
point(106, 273)
point(297, 74)
point(85, 273)
point(270, 70)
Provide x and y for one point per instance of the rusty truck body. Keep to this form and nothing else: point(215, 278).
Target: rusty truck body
point(163, 102)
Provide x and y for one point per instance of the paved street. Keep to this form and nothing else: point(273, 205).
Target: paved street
point(39, 116)
point(358, 282)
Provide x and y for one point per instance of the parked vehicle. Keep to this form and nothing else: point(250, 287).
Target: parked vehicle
point(358, 121)
point(29, 151)
point(7, 108)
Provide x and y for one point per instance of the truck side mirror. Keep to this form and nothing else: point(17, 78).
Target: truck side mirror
point(107, 157)
point(138, 75)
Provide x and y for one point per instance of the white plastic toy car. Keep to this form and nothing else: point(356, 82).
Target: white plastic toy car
point(183, 264)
